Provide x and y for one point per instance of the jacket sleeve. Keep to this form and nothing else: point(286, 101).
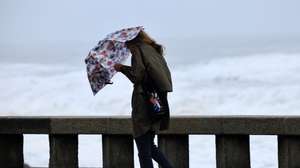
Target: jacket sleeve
point(128, 72)
point(135, 72)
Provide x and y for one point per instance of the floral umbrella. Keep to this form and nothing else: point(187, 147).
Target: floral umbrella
point(108, 52)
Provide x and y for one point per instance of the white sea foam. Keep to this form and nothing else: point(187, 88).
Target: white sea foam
point(256, 84)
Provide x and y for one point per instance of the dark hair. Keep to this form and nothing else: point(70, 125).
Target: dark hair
point(144, 37)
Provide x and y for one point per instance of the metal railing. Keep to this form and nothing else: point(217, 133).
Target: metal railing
point(231, 138)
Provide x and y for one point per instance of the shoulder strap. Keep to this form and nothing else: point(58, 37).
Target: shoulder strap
point(142, 56)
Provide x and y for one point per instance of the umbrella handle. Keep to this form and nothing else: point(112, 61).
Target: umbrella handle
point(109, 83)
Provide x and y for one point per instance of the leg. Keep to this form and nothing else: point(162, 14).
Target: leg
point(143, 144)
point(157, 155)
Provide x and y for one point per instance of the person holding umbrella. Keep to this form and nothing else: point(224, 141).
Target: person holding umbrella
point(148, 69)
point(151, 77)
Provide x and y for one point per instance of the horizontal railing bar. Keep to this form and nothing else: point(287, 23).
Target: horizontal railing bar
point(210, 124)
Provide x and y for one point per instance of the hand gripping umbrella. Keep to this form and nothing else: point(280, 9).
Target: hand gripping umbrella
point(108, 52)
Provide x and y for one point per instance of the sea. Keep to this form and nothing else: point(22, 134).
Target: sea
point(250, 75)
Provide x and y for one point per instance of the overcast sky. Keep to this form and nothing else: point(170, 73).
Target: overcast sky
point(81, 20)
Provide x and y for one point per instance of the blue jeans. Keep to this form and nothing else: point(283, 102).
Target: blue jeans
point(148, 150)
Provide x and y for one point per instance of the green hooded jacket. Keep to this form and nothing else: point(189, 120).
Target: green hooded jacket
point(158, 70)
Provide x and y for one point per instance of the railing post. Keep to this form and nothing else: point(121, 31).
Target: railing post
point(63, 150)
point(11, 150)
point(117, 151)
point(175, 148)
point(288, 151)
point(232, 151)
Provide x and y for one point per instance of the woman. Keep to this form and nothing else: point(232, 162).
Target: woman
point(147, 62)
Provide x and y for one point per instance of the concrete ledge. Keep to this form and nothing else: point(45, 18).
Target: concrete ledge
point(234, 124)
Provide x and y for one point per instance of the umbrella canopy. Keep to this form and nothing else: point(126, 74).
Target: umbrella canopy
point(108, 52)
